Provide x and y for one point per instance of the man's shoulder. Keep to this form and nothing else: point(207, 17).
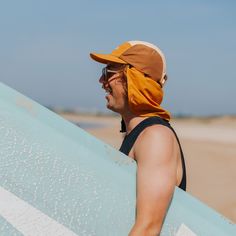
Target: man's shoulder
point(154, 137)
point(155, 141)
point(157, 131)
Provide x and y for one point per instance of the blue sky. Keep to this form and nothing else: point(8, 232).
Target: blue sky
point(45, 48)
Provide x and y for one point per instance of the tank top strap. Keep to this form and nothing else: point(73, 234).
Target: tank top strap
point(130, 139)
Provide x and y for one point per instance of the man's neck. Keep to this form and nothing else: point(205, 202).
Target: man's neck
point(132, 121)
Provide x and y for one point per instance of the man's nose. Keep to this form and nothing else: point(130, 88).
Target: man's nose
point(101, 80)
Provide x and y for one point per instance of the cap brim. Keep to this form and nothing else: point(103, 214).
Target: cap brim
point(106, 58)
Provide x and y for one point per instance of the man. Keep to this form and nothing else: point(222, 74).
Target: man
point(133, 79)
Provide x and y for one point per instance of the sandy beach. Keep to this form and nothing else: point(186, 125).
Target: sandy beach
point(209, 145)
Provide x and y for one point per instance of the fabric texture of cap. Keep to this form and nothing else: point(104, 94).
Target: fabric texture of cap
point(144, 56)
point(144, 95)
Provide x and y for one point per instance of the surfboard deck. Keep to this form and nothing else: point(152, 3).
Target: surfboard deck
point(56, 179)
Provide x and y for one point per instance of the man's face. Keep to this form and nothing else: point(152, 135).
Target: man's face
point(113, 83)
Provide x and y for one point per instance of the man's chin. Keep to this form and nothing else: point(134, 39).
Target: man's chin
point(111, 107)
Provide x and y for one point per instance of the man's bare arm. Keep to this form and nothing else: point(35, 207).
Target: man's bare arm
point(156, 156)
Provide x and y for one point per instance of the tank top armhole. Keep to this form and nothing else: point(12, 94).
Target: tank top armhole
point(130, 139)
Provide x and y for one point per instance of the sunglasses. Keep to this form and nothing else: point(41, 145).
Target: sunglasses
point(108, 73)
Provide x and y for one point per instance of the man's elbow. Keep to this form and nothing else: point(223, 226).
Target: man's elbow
point(147, 228)
point(153, 228)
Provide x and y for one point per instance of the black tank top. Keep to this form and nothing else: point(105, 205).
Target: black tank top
point(130, 139)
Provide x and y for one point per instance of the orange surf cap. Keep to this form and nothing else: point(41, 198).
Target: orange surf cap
point(144, 56)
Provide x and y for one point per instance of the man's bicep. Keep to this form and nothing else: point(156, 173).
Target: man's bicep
point(156, 178)
point(155, 188)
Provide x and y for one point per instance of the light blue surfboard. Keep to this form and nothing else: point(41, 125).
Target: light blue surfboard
point(56, 180)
